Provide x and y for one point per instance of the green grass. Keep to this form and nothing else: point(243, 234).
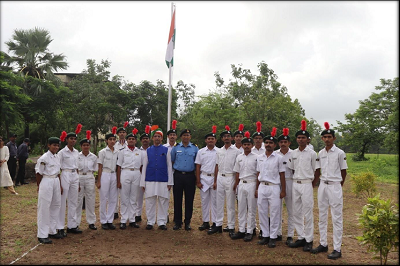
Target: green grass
point(384, 166)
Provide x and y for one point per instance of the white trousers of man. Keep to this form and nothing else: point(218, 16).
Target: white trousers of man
point(303, 205)
point(139, 198)
point(49, 204)
point(161, 210)
point(330, 195)
point(108, 197)
point(130, 180)
point(269, 198)
point(247, 205)
point(208, 199)
point(289, 209)
point(70, 185)
point(88, 190)
point(225, 189)
point(117, 206)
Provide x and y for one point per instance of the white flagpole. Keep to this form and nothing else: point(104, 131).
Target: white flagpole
point(170, 81)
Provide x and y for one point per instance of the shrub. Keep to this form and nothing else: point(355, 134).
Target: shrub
point(364, 184)
point(380, 222)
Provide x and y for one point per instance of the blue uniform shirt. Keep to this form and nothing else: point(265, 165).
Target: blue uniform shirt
point(183, 157)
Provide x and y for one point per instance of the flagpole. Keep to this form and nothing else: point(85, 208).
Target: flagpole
point(170, 83)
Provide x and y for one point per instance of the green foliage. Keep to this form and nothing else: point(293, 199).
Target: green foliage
point(380, 222)
point(359, 156)
point(364, 184)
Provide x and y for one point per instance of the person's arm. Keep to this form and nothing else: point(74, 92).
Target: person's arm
point(283, 185)
point(258, 184)
point(99, 175)
point(215, 177)
point(236, 181)
point(344, 174)
point(118, 176)
point(317, 174)
point(170, 172)
point(143, 176)
point(198, 183)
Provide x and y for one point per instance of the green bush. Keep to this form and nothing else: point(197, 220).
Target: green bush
point(364, 184)
point(380, 222)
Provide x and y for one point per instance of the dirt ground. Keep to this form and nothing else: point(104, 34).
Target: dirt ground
point(140, 246)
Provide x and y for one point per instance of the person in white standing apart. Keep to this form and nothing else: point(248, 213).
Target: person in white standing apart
point(271, 188)
point(107, 181)
point(5, 177)
point(145, 140)
point(332, 167)
point(286, 153)
point(171, 142)
point(238, 136)
point(224, 179)
point(120, 145)
point(205, 167)
point(49, 192)
point(246, 183)
point(129, 168)
point(157, 181)
point(87, 165)
point(70, 184)
point(303, 162)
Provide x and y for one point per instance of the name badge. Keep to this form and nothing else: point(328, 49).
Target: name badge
point(178, 151)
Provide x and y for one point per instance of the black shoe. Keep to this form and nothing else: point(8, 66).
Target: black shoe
point(25, 183)
point(116, 215)
point(231, 232)
point(138, 219)
point(335, 255)
point(248, 237)
point(149, 227)
point(45, 240)
point(298, 243)
point(254, 232)
point(122, 226)
point(17, 185)
point(187, 227)
point(226, 229)
point(177, 227)
point(289, 240)
point(74, 230)
point(319, 249)
point(163, 227)
point(134, 225)
point(263, 241)
point(272, 243)
point(62, 232)
point(92, 226)
point(279, 238)
point(260, 235)
point(104, 226)
point(204, 226)
point(56, 236)
point(111, 226)
point(238, 235)
point(213, 230)
point(308, 246)
point(213, 225)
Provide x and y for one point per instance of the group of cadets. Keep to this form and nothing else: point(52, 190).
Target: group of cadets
point(251, 172)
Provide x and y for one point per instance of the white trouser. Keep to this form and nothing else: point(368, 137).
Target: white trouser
point(303, 205)
point(108, 194)
point(288, 203)
point(269, 197)
point(225, 188)
point(49, 203)
point(162, 210)
point(70, 185)
point(117, 206)
point(129, 190)
point(88, 190)
point(208, 203)
point(330, 195)
point(139, 200)
point(247, 206)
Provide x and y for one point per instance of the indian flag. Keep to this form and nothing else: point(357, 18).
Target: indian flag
point(169, 56)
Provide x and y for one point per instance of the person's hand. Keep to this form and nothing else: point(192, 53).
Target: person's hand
point(119, 185)
point(169, 187)
point(199, 185)
point(283, 194)
point(98, 185)
point(143, 189)
point(61, 190)
point(256, 194)
point(79, 190)
point(215, 185)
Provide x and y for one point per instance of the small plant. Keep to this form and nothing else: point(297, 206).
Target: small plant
point(380, 222)
point(364, 184)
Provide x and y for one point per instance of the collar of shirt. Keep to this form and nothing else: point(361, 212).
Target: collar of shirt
point(108, 148)
point(51, 154)
point(131, 148)
point(66, 149)
point(331, 149)
point(89, 154)
point(180, 144)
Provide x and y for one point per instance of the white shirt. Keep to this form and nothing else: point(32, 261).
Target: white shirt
point(87, 163)
point(48, 164)
point(108, 158)
point(206, 159)
point(303, 163)
point(120, 146)
point(226, 159)
point(286, 157)
point(240, 149)
point(331, 163)
point(270, 167)
point(68, 158)
point(258, 151)
point(246, 166)
point(169, 146)
point(310, 146)
point(130, 159)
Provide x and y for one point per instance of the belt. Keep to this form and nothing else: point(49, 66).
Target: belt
point(268, 183)
point(330, 182)
point(248, 181)
point(226, 174)
point(302, 181)
point(207, 174)
point(50, 176)
point(131, 169)
point(184, 173)
point(87, 173)
point(108, 171)
point(69, 170)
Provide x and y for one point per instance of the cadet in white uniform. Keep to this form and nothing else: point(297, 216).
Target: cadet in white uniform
point(129, 168)
point(87, 165)
point(107, 181)
point(205, 168)
point(49, 198)
point(237, 137)
point(120, 145)
point(246, 183)
point(145, 139)
point(331, 165)
point(303, 162)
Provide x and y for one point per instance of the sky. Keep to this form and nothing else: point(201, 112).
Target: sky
point(329, 54)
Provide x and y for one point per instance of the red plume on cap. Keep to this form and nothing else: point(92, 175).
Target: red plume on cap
point(78, 129)
point(154, 127)
point(174, 124)
point(285, 131)
point(63, 135)
point(247, 134)
point(227, 128)
point(134, 131)
point(303, 125)
point(214, 129)
point(258, 126)
point(126, 124)
point(147, 129)
point(273, 132)
point(326, 124)
point(114, 130)
point(88, 133)
point(241, 127)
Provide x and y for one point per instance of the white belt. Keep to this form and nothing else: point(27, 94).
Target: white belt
point(86, 173)
point(69, 170)
point(131, 169)
point(268, 183)
point(108, 171)
point(50, 176)
point(302, 181)
point(330, 182)
point(226, 174)
point(248, 181)
point(206, 174)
